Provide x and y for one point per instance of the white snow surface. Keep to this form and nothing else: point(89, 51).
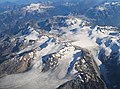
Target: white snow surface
point(39, 7)
point(100, 8)
point(84, 37)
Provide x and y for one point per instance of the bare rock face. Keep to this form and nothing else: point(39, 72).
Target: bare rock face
point(87, 76)
point(51, 62)
point(16, 65)
point(78, 84)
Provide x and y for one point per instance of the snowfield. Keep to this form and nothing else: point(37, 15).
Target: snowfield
point(77, 33)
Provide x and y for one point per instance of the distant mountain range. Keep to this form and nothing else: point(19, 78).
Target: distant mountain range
point(31, 1)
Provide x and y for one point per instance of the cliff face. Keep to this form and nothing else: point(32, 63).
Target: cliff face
point(87, 76)
point(78, 84)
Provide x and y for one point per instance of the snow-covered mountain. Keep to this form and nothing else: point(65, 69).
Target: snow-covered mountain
point(106, 13)
point(39, 7)
point(52, 51)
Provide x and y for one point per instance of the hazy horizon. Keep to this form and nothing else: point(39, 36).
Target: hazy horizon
point(30, 1)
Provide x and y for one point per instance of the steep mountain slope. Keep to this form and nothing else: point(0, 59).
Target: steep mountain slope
point(105, 14)
point(57, 54)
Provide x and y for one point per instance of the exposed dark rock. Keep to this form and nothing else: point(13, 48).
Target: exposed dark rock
point(87, 76)
point(78, 84)
point(16, 65)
